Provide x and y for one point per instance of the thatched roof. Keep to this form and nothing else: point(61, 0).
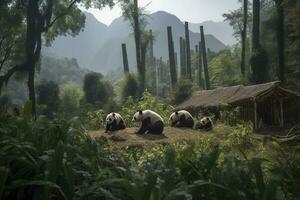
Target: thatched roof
point(232, 95)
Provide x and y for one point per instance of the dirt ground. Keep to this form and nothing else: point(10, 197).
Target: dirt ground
point(128, 138)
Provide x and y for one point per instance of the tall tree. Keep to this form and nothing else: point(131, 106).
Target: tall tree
point(172, 57)
point(188, 51)
point(280, 39)
point(204, 57)
point(125, 59)
point(244, 37)
point(259, 59)
point(239, 20)
point(200, 66)
point(41, 19)
point(134, 14)
point(182, 58)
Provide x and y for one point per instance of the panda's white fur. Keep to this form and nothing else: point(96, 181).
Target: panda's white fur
point(205, 120)
point(113, 116)
point(176, 115)
point(154, 117)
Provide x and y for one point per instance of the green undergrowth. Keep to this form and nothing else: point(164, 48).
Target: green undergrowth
point(57, 159)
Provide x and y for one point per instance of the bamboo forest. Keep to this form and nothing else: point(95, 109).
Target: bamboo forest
point(150, 99)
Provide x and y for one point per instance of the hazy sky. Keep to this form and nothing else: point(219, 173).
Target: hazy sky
point(194, 11)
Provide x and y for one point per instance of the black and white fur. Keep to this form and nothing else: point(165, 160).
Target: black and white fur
point(205, 124)
point(151, 122)
point(182, 118)
point(114, 122)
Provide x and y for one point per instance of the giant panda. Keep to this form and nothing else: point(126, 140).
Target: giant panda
point(114, 122)
point(151, 122)
point(205, 124)
point(182, 118)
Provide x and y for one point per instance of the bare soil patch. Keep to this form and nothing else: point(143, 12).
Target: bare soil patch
point(128, 138)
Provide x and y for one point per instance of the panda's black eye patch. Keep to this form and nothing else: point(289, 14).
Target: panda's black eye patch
point(134, 118)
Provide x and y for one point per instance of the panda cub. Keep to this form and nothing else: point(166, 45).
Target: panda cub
point(114, 122)
point(182, 118)
point(151, 122)
point(205, 124)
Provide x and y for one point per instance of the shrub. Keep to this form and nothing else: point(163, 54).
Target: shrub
point(241, 136)
point(48, 95)
point(147, 101)
point(231, 117)
point(182, 90)
point(130, 87)
point(95, 119)
point(96, 90)
point(70, 96)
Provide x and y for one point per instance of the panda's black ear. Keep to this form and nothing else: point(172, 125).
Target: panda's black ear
point(140, 112)
point(114, 114)
point(176, 113)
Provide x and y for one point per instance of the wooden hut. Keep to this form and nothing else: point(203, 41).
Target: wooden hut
point(266, 105)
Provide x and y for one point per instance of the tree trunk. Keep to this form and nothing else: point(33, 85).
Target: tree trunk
point(172, 57)
point(137, 38)
point(151, 54)
point(204, 57)
point(244, 38)
point(143, 69)
point(256, 24)
point(200, 66)
point(188, 51)
point(31, 92)
point(125, 59)
point(176, 63)
point(259, 57)
point(33, 48)
point(182, 58)
point(280, 40)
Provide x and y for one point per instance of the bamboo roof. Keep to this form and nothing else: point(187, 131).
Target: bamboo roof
point(234, 95)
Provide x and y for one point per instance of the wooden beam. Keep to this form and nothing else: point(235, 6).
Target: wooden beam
point(255, 114)
point(281, 113)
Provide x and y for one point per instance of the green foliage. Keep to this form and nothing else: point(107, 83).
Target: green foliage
point(96, 90)
point(48, 95)
point(182, 90)
point(57, 159)
point(95, 120)
point(70, 96)
point(147, 101)
point(241, 136)
point(231, 117)
point(259, 63)
point(224, 68)
point(130, 87)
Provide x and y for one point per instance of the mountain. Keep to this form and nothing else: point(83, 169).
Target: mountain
point(221, 30)
point(98, 47)
point(82, 47)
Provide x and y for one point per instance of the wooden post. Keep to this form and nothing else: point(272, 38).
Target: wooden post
point(125, 59)
point(188, 51)
point(201, 83)
point(281, 113)
point(255, 114)
point(204, 57)
point(172, 62)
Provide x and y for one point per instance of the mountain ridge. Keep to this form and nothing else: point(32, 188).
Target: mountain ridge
point(98, 46)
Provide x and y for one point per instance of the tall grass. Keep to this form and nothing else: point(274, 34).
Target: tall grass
point(57, 159)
